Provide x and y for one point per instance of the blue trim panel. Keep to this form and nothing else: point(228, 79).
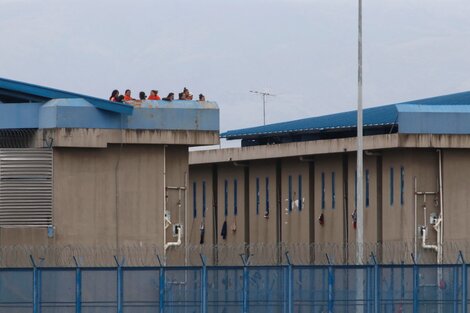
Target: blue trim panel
point(367, 189)
point(322, 190)
point(289, 197)
point(333, 191)
point(402, 186)
point(300, 192)
point(204, 198)
point(235, 197)
point(194, 200)
point(225, 197)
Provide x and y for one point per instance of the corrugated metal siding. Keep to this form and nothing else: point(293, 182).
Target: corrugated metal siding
point(26, 187)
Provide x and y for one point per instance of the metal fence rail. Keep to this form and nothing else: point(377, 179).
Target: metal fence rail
point(282, 288)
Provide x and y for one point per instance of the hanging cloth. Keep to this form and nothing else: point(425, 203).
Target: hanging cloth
point(223, 232)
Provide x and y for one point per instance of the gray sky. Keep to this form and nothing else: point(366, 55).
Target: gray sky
point(303, 51)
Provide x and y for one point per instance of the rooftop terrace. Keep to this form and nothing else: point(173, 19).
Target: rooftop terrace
point(25, 106)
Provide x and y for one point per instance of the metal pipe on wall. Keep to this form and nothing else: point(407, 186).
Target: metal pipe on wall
point(415, 222)
point(164, 204)
point(441, 207)
point(186, 234)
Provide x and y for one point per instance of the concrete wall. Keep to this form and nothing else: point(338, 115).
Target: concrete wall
point(202, 228)
point(390, 225)
point(237, 234)
point(111, 198)
point(296, 219)
point(456, 180)
point(264, 227)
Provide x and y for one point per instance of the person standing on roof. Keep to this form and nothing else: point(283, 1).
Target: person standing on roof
point(114, 96)
point(154, 95)
point(127, 95)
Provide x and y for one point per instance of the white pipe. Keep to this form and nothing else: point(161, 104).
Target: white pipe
point(164, 205)
point(416, 219)
point(427, 246)
point(440, 228)
point(441, 214)
point(175, 243)
point(186, 236)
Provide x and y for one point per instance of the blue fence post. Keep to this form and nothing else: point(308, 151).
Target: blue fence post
point(203, 285)
point(456, 289)
point(331, 285)
point(464, 287)
point(161, 287)
point(246, 262)
point(368, 289)
point(464, 282)
point(415, 285)
point(78, 287)
point(392, 288)
point(35, 286)
point(120, 286)
point(376, 284)
point(290, 284)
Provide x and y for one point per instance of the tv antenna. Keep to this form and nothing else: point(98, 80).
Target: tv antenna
point(265, 95)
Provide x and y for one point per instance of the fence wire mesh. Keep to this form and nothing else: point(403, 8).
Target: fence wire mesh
point(282, 288)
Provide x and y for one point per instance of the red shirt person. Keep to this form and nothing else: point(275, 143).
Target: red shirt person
point(154, 95)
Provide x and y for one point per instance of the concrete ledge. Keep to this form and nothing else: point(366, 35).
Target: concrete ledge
point(100, 138)
point(328, 146)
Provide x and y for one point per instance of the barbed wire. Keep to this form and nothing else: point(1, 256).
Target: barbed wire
point(223, 254)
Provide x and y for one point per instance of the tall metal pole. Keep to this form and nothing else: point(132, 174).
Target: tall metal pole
point(360, 183)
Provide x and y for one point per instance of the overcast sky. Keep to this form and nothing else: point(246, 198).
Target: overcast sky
point(303, 51)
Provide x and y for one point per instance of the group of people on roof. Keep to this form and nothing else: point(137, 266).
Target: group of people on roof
point(184, 95)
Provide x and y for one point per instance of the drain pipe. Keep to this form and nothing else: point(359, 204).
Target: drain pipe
point(440, 231)
point(440, 256)
point(175, 243)
point(165, 226)
point(425, 229)
point(415, 224)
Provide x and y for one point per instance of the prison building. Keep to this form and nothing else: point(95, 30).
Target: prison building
point(291, 187)
point(84, 176)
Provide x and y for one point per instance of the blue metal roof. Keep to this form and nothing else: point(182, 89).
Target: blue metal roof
point(377, 116)
point(50, 93)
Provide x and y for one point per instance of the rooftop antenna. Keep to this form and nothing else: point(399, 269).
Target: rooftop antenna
point(264, 94)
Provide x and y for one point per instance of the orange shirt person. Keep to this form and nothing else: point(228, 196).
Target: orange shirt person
point(127, 95)
point(154, 95)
